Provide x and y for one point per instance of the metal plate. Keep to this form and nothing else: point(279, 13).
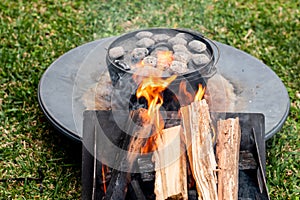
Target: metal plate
point(258, 88)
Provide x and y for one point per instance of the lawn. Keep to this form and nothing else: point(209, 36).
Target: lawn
point(35, 33)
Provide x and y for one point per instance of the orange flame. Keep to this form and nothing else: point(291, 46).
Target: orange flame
point(150, 144)
point(151, 89)
point(200, 93)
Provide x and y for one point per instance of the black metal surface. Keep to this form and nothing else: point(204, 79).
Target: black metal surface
point(258, 88)
point(56, 87)
point(249, 188)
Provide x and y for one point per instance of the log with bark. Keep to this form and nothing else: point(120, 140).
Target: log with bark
point(170, 165)
point(227, 153)
point(198, 136)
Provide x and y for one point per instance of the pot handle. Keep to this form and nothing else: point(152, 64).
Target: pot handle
point(217, 53)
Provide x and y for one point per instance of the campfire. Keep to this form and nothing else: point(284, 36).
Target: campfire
point(186, 156)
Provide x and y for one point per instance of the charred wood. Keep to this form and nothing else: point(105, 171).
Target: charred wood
point(135, 191)
point(146, 168)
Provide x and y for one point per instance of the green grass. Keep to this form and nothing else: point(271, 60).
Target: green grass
point(35, 33)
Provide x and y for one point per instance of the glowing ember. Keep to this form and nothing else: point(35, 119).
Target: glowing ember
point(164, 59)
point(104, 171)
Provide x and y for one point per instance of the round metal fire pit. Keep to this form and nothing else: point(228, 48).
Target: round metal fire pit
point(257, 88)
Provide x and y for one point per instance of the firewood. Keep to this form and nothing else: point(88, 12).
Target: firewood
point(146, 168)
point(199, 145)
point(139, 128)
point(227, 153)
point(118, 184)
point(135, 191)
point(170, 165)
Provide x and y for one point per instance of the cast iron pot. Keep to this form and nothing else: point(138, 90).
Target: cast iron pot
point(193, 77)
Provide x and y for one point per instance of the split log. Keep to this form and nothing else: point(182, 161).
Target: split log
point(170, 165)
point(227, 153)
point(199, 145)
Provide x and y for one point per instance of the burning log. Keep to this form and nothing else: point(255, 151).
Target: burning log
point(170, 161)
point(117, 187)
point(119, 182)
point(227, 153)
point(198, 139)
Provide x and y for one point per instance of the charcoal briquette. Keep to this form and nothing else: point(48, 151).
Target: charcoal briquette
point(138, 54)
point(177, 40)
point(143, 34)
point(160, 37)
point(159, 49)
point(180, 48)
point(178, 67)
point(116, 52)
point(145, 42)
point(197, 46)
point(150, 61)
point(184, 36)
point(181, 57)
point(199, 59)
